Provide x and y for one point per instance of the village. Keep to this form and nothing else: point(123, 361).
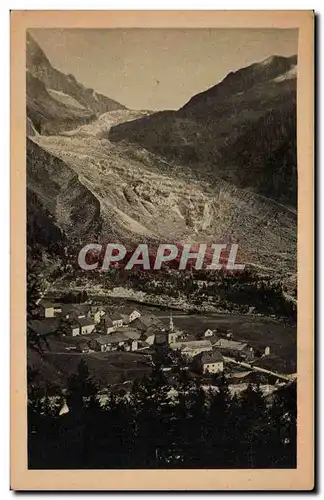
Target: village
point(91, 331)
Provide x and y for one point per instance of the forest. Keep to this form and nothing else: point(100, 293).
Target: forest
point(147, 428)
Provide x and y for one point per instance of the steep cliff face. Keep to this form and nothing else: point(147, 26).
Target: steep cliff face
point(59, 206)
point(56, 101)
point(46, 114)
point(242, 130)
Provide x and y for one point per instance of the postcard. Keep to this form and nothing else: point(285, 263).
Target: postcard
point(162, 197)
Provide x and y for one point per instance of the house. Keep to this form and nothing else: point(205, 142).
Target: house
point(148, 338)
point(185, 337)
point(73, 311)
point(191, 348)
point(143, 323)
point(231, 346)
point(159, 336)
point(57, 310)
point(87, 325)
point(76, 315)
point(106, 343)
point(112, 342)
point(172, 337)
point(211, 362)
point(149, 334)
point(208, 333)
point(132, 345)
point(129, 314)
point(47, 309)
point(130, 333)
point(107, 324)
point(74, 329)
point(117, 320)
point(125, 319)
point(96, 313)
point(132, 338)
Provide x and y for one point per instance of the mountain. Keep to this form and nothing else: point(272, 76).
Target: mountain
point(110, 176)
point(242, 130)
point(96, 190)
point(56, 101)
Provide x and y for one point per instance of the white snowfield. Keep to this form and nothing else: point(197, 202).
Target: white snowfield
point(105, 121)
point(142, 196)
point(292, 73)
point(65, 99)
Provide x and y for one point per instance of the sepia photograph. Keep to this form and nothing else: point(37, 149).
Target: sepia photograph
point(162, 198)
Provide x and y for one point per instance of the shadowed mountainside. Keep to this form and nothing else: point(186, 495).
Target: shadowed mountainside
point(56, 101)
point(242, 130)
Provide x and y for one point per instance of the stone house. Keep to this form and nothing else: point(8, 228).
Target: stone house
point(130, 314)
point(117, 320)
point(107, 324)
point(87, 325)
point(96, 313)
point(47, 310)
point(113, 342)
point(212, 362)
point(192, 348)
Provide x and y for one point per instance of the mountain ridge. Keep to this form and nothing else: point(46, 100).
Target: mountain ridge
point(209, 135)
point(57, 101)
point(86, 184)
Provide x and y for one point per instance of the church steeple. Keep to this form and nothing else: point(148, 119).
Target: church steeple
point(171, 326)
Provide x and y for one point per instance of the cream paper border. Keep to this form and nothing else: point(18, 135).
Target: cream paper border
point(301, 478)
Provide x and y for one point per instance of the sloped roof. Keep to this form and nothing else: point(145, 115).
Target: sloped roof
point(191, 344)
point(151, 330)
point(130, 333)
point(146, 321)
point(230, 344)
point(213, 339)
point(46, 304)
point(74, 309)
point(211, 357)
point(116, 317)
point(114, 338)
point(107, 320)
point(86, 321)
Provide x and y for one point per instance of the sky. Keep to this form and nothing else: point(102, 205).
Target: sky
point(157, 68)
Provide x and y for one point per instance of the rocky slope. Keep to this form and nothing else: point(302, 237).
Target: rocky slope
point(58, 202)
point(221, 169)
point(242, 130)
point(56, 101)
point(119, 192)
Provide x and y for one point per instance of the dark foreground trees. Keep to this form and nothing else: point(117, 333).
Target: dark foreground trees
point(152, 427)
